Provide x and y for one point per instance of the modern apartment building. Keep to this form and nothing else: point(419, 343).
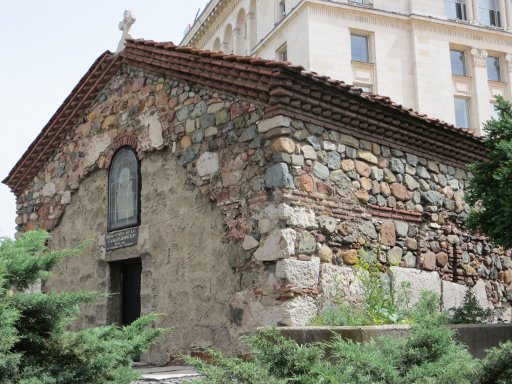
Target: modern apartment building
point(445, 58)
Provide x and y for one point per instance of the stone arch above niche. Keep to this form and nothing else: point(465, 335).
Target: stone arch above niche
point(119, 142)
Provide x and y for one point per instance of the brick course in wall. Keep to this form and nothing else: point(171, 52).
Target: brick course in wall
point(305, 172)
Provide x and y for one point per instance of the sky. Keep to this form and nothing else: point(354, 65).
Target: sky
point(47, 46)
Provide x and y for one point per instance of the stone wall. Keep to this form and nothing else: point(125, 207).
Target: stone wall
point(202, 180)
point(343, 195)
point(247, 218)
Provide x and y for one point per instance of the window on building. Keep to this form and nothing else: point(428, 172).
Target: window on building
point(359, 48)
point(281, 10)
point(493, 68)
point(282, 53)
point(124, 190)
point(368, 3)
point(364, 87)
point(494, 112)
point(462, 112)
point(455, 9)
point(489, 13)
point(458, 62)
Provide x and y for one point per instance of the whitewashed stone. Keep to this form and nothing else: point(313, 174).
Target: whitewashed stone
point(298, 160)
point(261, 315)
point(328, 224)
point(190, 126)
point(419, 281)
point(340, 283)
point(250, 243)
point(453, 294)
point(207, 163)
point(273, 122)
point(215, 107)
point(422, 172)
point(299, 311)
point(368, 156)
point(481, 294)
point(329, 146)
point(49, 190)
point(301, 274)
point(377, 174)
point(309, 152)
point(154, 125)
point(297, 217)
point(280, 243)
point(278, 176)
point(410, 182)
point(66, 198)
point(349, 140)
point(454, 184)
point(401, 228)
point(97, 145)
point(302, 217)
point(320, 171)
point(210, 131)
point(395, 255)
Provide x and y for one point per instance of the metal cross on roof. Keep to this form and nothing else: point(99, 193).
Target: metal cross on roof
point(125, 25)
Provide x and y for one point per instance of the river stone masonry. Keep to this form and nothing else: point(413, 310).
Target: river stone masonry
point(250, 217)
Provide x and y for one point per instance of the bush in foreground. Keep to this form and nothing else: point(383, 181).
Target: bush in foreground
point(429, 354)
point(35, 346)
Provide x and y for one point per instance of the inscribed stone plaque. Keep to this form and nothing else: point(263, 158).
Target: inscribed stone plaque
point(121, 239)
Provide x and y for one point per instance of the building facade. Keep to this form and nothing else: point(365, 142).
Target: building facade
point(444, 58)
point(227, 192)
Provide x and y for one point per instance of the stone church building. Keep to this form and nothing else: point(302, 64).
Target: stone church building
point(227, 192)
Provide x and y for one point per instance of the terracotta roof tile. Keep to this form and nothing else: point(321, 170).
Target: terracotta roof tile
point(299, 92)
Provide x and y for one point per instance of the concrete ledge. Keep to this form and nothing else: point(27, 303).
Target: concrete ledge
point(360, 334)
point(480, 337)
point(477, 337)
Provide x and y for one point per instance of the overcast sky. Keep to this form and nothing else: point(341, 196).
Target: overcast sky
point(47, 46)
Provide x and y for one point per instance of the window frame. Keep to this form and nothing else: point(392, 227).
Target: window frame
point(493, 13)
point(497, 60)
point(281, 10)
point(464, 62)
point(467, 103)
point(133, 222)
point(494, 112)
point(365, 88)
point(454, 4)
point(369, 50)
point(282, 52)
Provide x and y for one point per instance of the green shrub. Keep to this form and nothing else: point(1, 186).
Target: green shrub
point(496, 368)
point(224, 370)
point(383, 302)
point(428, 354)
point(35, 346)
point(471, 312)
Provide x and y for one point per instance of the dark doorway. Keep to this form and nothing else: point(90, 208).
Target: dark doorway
point(125, 286)
point(130, 291)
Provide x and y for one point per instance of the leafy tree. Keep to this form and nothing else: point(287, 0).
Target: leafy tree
point(35, 346)
point(490, 189)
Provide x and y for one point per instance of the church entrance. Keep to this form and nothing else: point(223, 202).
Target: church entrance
point(125, 289)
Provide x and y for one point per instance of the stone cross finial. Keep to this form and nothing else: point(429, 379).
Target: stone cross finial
point(125, 25)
